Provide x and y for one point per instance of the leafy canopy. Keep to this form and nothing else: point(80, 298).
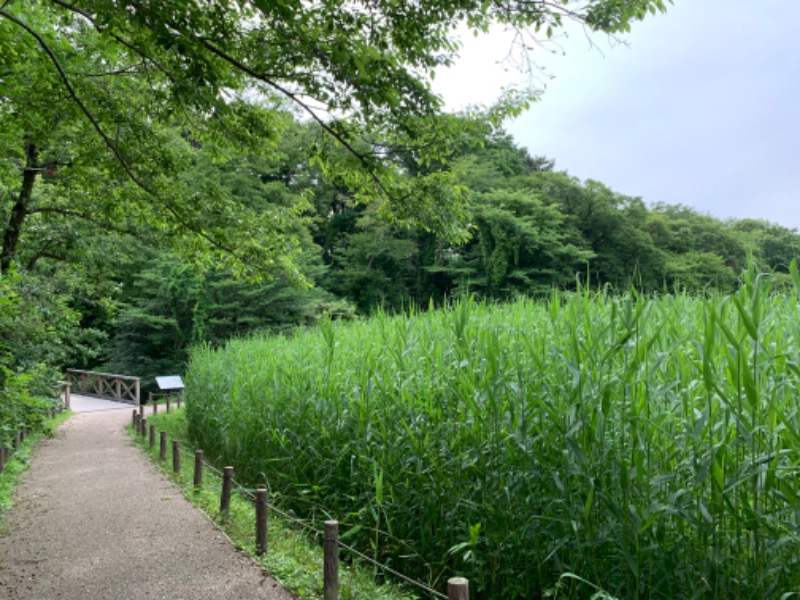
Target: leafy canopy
point(222, 71)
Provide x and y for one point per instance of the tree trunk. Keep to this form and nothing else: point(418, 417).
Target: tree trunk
point(20, 211)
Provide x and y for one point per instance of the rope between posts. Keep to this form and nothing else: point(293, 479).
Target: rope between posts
point(341, 544)
point(245, 492)
point(240, 489)
point(405, 578)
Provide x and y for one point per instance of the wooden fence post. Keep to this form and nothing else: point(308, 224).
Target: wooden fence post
point(261, 522)
point(2, 458)
point(163, 447)
point(176, 456)
point(143, 426)
point(133, 418)
point(330, 577)
point(457, 589)
point(178, 400)
point(198, 469)
point(16, 440)
point(167, 403)
point(67, 395)
point(152, 435)
point(225, 497)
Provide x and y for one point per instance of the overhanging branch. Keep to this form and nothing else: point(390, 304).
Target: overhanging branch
point(109, 143)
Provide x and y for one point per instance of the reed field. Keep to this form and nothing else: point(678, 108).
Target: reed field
point(589, 443)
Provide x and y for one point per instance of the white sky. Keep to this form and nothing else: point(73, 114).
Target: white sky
point(701, 108)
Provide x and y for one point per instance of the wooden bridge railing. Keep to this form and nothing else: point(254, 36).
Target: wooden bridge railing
point(121, 388)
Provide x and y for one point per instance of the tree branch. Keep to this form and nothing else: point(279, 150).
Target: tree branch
point(85, 216)
point(293, 97)
point(123, 71)
point(120, 39)
point(110, 144)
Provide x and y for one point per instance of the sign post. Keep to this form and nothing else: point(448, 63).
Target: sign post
point(170, 385)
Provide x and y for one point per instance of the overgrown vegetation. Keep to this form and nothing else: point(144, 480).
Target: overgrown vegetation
point(34, 325)
point(647, 444)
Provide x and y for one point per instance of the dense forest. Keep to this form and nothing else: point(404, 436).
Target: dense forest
point(89, 294)
point(171, 175)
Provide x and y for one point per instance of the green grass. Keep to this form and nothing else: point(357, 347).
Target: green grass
point(18, 462)
point(294, 556)
point(647, 446)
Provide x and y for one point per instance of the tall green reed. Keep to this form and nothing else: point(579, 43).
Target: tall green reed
point(649, 445)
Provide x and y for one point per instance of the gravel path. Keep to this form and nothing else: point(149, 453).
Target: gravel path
point(94, 519)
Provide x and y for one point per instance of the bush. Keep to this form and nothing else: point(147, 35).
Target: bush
point(18, 408)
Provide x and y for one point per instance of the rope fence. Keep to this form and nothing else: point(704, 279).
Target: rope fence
point(457, 587)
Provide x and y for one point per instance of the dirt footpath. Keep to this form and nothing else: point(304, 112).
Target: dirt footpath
point(94, 519)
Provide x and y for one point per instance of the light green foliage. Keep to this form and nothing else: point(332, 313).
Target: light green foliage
point(38, 332)
point(769, 243)
point(97, 139)
point(699, 271)
point(690, 231)
point(522, 246)
point(93, 83)
point(645, 444)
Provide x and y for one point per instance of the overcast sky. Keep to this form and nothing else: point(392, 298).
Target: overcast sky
point(701, 108)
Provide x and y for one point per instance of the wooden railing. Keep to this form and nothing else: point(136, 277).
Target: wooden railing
point(120, 388)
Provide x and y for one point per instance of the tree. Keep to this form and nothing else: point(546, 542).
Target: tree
point(94, 141)
point(359, 69)
point(773, 246)
point(111, 112)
